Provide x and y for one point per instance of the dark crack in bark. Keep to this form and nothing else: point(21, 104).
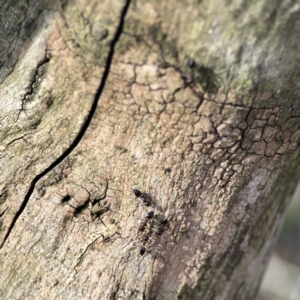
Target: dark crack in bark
point(83, 129)
point(34, 81)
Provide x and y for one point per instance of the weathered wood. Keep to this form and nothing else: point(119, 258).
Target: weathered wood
point(97, 98)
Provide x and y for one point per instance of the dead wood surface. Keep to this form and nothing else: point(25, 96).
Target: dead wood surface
point(97, 99)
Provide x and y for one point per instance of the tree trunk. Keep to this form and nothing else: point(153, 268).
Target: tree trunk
point(194, 103)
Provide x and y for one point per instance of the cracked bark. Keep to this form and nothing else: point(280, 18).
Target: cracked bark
point(97, 99)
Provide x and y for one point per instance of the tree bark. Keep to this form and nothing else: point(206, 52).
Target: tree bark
point(194, 103)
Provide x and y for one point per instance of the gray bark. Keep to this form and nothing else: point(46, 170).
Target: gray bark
point(97, 99)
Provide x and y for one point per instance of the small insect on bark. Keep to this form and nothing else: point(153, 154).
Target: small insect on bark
point(145, 240)
point(142, 250)
point(189, 80)
point(138, 193)
point(161, 227)
point(145, 198)
point(191, 63)
point(159, 231)
point(148, 217)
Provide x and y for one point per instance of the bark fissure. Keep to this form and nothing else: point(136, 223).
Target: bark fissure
point(86, 249)
point(30, 88)
point(209, 140)
point(83, 129)
point(19, 138)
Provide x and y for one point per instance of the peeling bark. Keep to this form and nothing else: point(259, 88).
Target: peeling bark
point(193, 103)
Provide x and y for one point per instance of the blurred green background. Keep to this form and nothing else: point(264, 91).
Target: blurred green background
point(281, 280)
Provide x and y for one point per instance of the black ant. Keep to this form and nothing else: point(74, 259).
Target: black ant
point(161, 227)
point(145, 237)
point(160, 230)
point(142, 228)
point(148, 201)
point(145, 198)
point(142, 250)
point(145, 240)
point(149, 216)
point(189, 80)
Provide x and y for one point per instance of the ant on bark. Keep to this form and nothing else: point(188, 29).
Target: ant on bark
point(160, 230)
point(149, 216)
point(145, 198)
point(189, 80)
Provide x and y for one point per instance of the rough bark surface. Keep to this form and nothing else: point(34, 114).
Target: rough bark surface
point(97, 99)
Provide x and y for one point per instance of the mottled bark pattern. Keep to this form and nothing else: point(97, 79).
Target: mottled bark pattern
point(216, 145)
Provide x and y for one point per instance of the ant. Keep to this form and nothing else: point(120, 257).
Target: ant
point(148, 217)
point(142, 250)
point(161, 227)
point(160, 230)
point(189, 80)
point(145, 198)
point(142, 228)
point(148, 201)
point(145, 240)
